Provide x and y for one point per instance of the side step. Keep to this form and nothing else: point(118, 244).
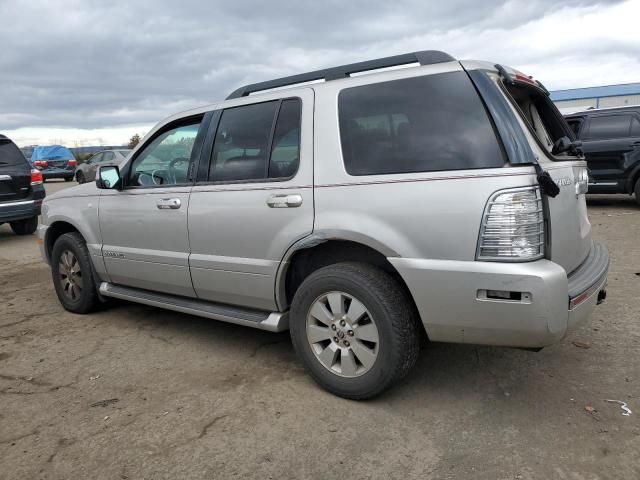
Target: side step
point(272, 322)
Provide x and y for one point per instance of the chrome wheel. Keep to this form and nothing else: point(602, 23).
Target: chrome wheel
point(342, 334)
point(70, 275)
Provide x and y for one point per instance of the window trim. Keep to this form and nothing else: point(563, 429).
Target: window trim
point(125, 174)
point(207, 150)
point(600, 115)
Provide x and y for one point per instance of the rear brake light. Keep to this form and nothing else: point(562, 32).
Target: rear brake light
point(523, 78)
point(41, 164)
point(72, 163)
point(512, 227)
point(36, 177)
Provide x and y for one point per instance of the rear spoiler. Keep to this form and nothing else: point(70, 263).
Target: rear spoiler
point(508, 78)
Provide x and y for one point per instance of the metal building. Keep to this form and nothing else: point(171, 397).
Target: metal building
point(577, 99)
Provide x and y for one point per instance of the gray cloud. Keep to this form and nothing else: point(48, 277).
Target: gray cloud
point(92, 64)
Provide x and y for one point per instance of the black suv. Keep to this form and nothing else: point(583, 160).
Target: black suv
point(611, 143)
point(21, 189)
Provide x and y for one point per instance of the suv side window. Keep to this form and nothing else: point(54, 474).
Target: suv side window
point(107, 157)
point(285, 152)
point(419, 124)
point(574, 124)
point(95, 159)
point(240, 151)
point(166, 159)
point(602, 127)
point(258, 141)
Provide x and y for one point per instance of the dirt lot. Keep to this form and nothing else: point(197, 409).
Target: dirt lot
point(137, 392)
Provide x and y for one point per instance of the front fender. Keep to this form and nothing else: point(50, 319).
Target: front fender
point(81, 213)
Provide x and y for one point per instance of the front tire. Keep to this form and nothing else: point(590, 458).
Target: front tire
point(80, 177)
point(68, 179)
point(355, 329)
point(25, 227)
point(72, 274)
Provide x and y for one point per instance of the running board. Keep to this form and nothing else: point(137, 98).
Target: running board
point(272, 322)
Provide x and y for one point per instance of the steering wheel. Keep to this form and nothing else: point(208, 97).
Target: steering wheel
point(173, 170)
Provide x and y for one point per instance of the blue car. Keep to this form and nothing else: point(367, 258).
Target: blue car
point(54, 161)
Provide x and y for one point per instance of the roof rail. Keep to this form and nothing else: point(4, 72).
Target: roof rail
point(426, 57)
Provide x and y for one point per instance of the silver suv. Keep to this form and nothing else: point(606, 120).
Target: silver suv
point(362, 208)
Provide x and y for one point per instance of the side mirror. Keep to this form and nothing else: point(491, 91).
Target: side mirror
point(108, 177)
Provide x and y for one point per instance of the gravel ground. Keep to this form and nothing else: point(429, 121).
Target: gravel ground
point(137, 392)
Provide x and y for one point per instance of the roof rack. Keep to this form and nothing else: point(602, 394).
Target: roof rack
point(426, 57)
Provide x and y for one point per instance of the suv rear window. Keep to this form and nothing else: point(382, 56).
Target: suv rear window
point(420, 124)
point(10, 154)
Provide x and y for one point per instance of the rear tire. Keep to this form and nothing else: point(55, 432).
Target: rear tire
point(25, 227)
point(636, 191)
point(73, 275)
point(68, 179)
point(80, 177)
point(368, 337)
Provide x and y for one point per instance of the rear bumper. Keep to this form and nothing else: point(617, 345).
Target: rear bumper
point(58, 172)
point(24, 208)
point(452, 299)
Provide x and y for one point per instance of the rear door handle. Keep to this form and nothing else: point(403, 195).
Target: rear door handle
point(636, 144)
point(169, 203)
point(291, 200)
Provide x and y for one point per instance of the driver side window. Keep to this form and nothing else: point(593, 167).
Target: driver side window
point(166, 159)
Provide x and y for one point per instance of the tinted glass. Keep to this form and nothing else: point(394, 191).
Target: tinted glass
point(575, 126)
point(95, 159)
point(10, 154)
point(285, 151)
point(165, 161)
point(241, 148)
point(635, 127)
point(609, 126)
point(420, 124)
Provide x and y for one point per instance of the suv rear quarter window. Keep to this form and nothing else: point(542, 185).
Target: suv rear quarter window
point(419, 124)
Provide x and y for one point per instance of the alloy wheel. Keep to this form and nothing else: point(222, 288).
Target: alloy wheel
point(70, 275)
point(342, 334)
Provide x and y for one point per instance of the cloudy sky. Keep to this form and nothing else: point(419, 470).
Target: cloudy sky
point(83, 72)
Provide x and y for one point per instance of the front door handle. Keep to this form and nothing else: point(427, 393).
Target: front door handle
point(169, 203)
point(291, 200)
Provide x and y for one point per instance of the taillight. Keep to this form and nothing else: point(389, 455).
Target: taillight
point(582, 184)
point(36, 177)
point(41, 164)
point(72, 163)
point(512, 226)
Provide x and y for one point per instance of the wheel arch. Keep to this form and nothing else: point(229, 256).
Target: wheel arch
point(317, 251)
point(633, 177)
point(54, 231)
